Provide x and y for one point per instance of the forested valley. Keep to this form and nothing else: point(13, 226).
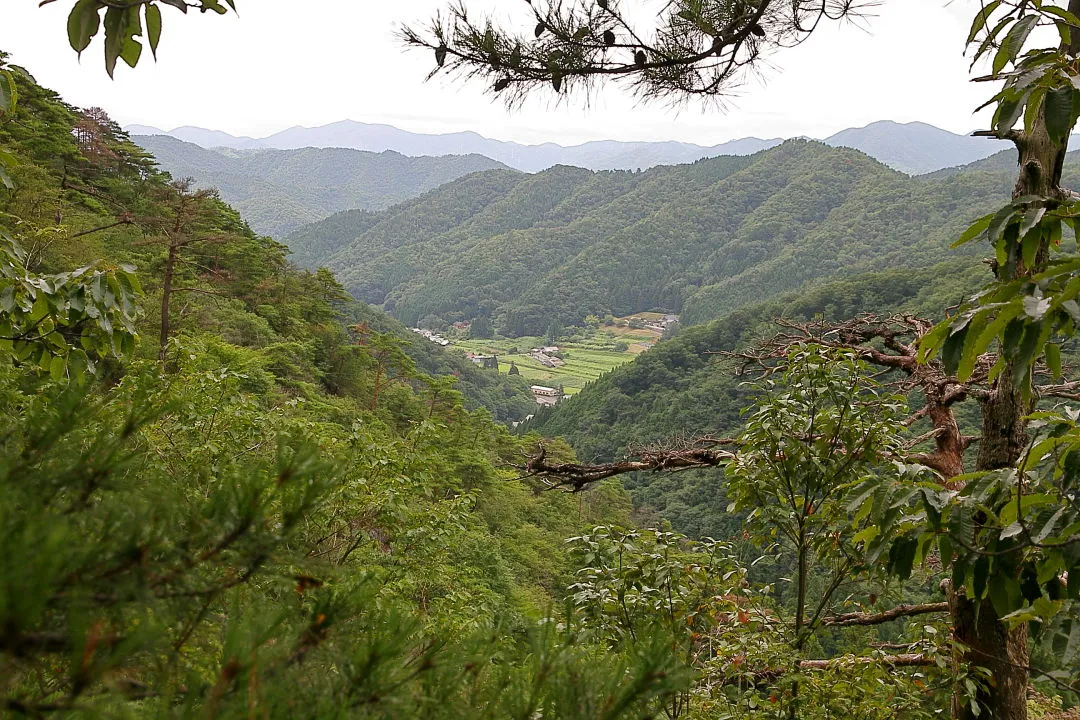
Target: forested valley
point(835, 474)
point(699, 240)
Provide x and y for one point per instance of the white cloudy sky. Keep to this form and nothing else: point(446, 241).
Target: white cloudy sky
point(309, 62)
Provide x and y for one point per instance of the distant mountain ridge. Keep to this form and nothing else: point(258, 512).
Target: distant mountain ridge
point(597, 155)
point(913, 148)
point(278, 191)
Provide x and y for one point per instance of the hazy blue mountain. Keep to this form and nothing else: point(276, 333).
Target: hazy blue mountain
point(280, 190)
point(598, 155)
point(200, 136)
point(914, 148)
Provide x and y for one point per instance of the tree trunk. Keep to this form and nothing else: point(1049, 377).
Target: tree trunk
point(1004, 433)
point(166, 295)
point(989, 642)
point(948, 455)
point(1003, 652)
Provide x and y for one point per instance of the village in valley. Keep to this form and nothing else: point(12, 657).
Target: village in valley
point(560, 365)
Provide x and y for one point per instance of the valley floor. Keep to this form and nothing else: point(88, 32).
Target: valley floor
point(586, 353)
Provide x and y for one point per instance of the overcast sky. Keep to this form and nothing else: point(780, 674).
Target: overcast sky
point(282, 63)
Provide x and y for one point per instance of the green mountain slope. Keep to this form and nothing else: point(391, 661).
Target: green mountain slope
point(243, 287)
point(279, 190)
point(277, 495)
point(700, 239)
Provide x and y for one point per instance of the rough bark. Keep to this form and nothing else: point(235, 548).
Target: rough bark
point(1004, 430)
point(990, 644)
point(577, 476)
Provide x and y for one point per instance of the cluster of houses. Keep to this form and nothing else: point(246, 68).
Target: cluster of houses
point(662, 324)
point(432, 336)
point(546, 356)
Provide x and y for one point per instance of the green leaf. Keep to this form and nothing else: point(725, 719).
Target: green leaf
point(1053, 359)
point(1009, 110)
point(1050, 524)
point(1059, 112)
point(974, 230)
point(115, 26)
point(866, 534)
point(57, 368)
point(931, 342)
point(981, 18)
point(39, 310)
point(902, 558)
point(979, 572)
point(1014, 42)
point(1061, 13)
point(970, 354)
point(131, 50)
point(1011, 531)
point(153, 27)
point(1034, 107)
point(83, 24)
point(999, 221)
point(952, 350)
point(9, 92)
point(1005, 594)
point(1029, 246)
point(989, 41)
point(1031, 218)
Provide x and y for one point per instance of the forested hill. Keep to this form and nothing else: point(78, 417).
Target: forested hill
point(279, 190)
point(84, 192)
point(700, 239)
point(255, 482)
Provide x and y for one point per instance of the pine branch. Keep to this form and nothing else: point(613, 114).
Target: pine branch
point(696, 48)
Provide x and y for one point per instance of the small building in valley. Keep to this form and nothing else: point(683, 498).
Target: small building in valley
point(488, 362)
point(545, 395)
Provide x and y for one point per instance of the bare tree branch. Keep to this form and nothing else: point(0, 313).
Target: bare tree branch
point(859, 618)
point(577, 476)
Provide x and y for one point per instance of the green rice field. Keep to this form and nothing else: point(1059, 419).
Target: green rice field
point(586, 360)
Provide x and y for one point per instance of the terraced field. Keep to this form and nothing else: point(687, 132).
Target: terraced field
point(588, 356)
